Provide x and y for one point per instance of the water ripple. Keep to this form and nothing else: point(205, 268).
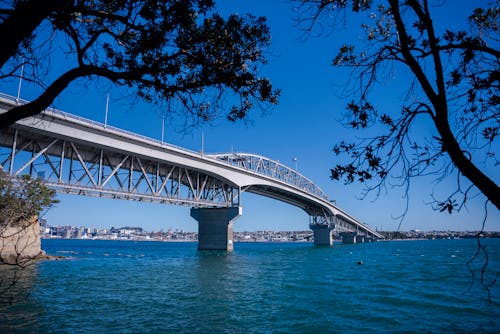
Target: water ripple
point(149, 287)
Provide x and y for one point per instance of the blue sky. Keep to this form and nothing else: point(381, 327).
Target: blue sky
point(304, 125)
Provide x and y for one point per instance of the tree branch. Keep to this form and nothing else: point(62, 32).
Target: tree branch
point(44, 100)
point(19, 26)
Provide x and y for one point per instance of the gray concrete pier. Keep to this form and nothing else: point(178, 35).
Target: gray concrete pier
point(322, 234)
point(349, 237)
point(352, 238)
point(215, 227)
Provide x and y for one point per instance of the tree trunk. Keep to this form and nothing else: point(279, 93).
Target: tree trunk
point(487, 186)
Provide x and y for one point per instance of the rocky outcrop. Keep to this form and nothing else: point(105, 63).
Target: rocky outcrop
point(20, 244)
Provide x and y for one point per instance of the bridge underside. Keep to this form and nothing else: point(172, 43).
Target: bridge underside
point(324, 224)
point(73, 167)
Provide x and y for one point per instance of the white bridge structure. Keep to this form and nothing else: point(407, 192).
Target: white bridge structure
point(80, 156)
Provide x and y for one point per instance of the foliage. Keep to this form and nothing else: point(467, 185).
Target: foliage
point(22, 199)
point(452, 93)
point(160, 50)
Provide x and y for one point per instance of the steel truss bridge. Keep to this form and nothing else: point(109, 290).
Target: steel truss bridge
point(79, 156)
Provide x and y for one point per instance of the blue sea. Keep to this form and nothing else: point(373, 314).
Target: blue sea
point(155, 287)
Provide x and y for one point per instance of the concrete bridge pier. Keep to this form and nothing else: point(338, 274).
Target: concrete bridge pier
point(352, 238)
point(322, 234)
point(215, 227)
point(349, 237)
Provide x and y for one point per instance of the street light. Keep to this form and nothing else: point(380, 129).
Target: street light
point(202, 142)
point(20, 81)
point(295, 159)
point(106, 111)
point(162, 127)
point(164, 114)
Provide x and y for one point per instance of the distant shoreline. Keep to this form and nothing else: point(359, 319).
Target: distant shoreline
point(139, 234)
point(335, 242)
point(180, 241)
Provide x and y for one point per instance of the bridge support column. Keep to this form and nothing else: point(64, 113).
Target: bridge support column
point(360, 239)
point(349, 237)
point(215, 227)
point(322, 234)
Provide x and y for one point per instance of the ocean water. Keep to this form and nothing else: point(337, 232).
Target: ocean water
point(154, 287)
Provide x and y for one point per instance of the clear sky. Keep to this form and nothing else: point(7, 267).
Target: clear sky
point(304, 125)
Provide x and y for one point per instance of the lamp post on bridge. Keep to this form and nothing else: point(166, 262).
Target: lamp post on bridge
point(20, 82)
point(162, 127)
point(106, 111)
point(295, 159)
point(202, 142)
point(163, 116)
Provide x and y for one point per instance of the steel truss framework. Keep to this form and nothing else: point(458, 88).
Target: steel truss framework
point(272, 168)
point(76, 168)
point(276, 170)
point(319, 216)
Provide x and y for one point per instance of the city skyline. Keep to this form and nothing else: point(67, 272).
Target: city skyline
point(299, 132)
point(137, 233)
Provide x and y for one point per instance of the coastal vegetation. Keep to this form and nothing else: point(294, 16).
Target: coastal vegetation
point(22, 200)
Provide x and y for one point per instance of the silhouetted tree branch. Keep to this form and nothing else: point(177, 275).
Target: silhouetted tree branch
point(460, 99)
point(159, 49)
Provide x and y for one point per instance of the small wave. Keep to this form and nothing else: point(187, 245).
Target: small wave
point(66, 252)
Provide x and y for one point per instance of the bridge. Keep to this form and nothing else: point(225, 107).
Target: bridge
point(75, 155)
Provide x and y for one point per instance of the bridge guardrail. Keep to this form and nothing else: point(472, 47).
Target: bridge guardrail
point(97, 124)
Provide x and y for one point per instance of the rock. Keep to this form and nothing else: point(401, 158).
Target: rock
point(20, 244)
